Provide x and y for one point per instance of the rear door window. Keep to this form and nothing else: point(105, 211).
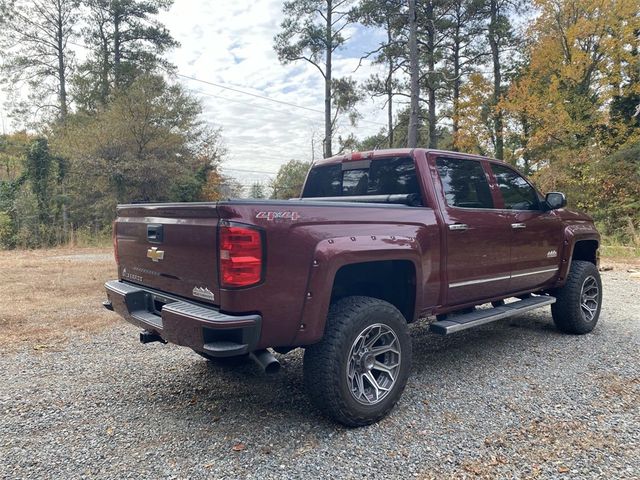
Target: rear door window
point(465, 183)
point(383, 176)
point(516, 191)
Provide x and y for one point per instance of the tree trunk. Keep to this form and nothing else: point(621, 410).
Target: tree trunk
point(456, 87)
point(65, 224)
point(412, 134)
point(431, 87)
point(62, 92)
point(497, 80)
point(389, 87)
point(116, 50)
point(328, 128)
point(104, 73)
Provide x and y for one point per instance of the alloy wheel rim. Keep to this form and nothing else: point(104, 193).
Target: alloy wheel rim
point(374, 364)
point(589, 298)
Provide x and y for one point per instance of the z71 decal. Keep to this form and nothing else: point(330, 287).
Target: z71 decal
point(271, 216)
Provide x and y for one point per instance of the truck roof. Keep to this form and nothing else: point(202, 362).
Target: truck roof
point(394, 152)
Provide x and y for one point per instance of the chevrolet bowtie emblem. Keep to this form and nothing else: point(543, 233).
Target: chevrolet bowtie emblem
point(154, 254)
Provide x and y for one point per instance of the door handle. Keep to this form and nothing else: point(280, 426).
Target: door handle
point(518, 225)
point(458, 226)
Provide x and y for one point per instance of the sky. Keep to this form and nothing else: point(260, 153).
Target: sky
point(230, 43)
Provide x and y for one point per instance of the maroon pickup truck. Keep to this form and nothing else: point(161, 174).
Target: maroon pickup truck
point(376, 241)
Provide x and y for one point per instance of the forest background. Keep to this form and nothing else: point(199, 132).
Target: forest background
point(550, 86)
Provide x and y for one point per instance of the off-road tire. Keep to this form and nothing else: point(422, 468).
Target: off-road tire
point(567, 311)
point(326, 363)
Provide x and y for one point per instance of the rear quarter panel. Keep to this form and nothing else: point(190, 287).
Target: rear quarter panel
point(308, 245)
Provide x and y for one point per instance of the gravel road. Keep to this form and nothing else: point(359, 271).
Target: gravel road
point(510, 399)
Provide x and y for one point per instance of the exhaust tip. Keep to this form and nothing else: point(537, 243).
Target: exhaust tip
point(266, 361)
point(272, 368)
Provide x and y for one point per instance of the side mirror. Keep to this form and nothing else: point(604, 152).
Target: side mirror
point(556, 200)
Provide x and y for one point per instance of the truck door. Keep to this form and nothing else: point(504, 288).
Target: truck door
point(536, 235)
point(477, 235)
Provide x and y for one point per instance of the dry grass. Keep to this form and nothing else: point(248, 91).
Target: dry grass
point(48, 296)
point(620, 263)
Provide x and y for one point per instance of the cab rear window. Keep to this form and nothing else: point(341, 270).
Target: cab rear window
point(383, 176)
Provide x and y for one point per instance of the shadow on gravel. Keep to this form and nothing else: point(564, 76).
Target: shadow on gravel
point(490, 344)
point(230, 399)
point(205, 393)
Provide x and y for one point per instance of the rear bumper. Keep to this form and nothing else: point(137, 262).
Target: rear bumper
point(202, 328)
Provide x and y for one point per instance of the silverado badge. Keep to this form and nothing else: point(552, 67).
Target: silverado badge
point(154, 254)
point(204, 292)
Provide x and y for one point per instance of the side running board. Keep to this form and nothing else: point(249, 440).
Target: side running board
point(480, 317)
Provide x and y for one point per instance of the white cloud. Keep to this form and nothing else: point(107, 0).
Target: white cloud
point(231, 43)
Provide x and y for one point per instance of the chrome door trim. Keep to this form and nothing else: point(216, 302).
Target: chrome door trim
point(496, 279)
point(474, 282)
point(548, 270)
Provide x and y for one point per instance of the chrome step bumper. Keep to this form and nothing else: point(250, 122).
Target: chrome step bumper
point(175, 320)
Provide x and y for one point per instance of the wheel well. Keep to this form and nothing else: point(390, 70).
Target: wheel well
point(586, 250)
point(391, 280)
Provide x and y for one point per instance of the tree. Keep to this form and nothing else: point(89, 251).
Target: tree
point(257, 190)
point(34, 41)
point(414, 74)
point(12, 148)
point(390, 16)
point(500, 36)
point(429, 17)
point(126, 41)
point(290, 179)
point(463, 51)
point(312, 32)
point(475, 128)
point(148, 144)
point(566, 90)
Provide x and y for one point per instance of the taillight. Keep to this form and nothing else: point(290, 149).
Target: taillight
point(240, 256)
point(114, 237)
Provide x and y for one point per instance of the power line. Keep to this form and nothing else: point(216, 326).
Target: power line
point(262, 97)
point(244, 92)
point(253, 105)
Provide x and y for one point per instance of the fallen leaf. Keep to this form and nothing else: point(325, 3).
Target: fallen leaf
point(238, 447)
point(40, 347)
point(563, 469)
point(110, 431)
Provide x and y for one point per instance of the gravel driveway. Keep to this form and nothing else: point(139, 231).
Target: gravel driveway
point(510, 399)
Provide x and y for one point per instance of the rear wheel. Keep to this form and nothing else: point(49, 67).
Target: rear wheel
point(358, 371)
point(578, 302)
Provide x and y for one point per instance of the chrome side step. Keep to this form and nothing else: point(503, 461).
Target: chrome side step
point(480, 317)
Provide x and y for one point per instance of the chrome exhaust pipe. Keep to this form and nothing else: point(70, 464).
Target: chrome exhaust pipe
point(266, 361)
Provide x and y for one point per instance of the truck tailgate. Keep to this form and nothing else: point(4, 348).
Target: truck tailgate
point(170, 247)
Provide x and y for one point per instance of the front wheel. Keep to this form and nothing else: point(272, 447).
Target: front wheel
point(578, 302)
point(358, 371)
